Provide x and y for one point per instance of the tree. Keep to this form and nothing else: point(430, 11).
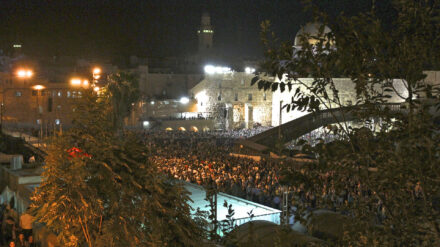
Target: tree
point(385, 178)
point(123, 89)
point(99, 189)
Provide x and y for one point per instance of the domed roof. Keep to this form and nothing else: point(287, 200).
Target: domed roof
point(311, 29)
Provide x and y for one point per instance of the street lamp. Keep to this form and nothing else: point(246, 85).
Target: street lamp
point(38, 88)
point(96, 74)
point(77, 82)
point(25, 73)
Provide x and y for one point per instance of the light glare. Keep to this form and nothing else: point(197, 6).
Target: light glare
point(184, 100)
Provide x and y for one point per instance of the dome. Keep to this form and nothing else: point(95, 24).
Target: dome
point(312, 29)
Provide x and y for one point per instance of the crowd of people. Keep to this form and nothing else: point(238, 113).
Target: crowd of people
point(16, 231)
point(204, 159)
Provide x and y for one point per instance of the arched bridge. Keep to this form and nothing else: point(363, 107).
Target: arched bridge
point(298, 127)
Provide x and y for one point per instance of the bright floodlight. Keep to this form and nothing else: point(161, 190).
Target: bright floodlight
point(24, 73)
point(38, 87)
point(184, 100)
point(86, 83)
point(152, 102)
point(97, 71)
point(249, 70)
point(209, 69)
point(75, 82)
point(96, 89)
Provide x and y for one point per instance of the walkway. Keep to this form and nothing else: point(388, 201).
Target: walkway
point(298, 127)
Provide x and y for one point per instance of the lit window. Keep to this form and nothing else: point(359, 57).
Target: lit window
point(59, 94)
point(57, 121)
point(17, 94)
point(250, 97)
point(68, 94)
point(38, 121)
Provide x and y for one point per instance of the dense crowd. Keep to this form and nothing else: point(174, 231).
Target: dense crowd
point(16, 230)
point(204, 158)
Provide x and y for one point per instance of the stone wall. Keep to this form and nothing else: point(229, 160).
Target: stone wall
point(236, 103)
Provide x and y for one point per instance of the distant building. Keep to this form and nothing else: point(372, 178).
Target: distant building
point(232, 101)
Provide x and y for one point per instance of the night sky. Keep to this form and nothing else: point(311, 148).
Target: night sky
point(155, 28)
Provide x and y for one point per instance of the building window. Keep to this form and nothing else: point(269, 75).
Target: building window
point(242, 82)
point(236, 97)
point(250, 97)
point(264, 96)
point(68, 94)
point(59, 94)
point(17, 94)
point(57, 121)
point(34, 92)
point(59, 107)
point(38, 121)
point(219, 97)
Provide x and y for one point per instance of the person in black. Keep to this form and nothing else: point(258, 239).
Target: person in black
point(9, 229)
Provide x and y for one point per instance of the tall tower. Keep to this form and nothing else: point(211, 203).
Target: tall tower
point(205, 34)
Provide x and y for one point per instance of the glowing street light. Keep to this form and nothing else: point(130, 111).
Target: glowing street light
point(25, 73)
point(97, 70)
point(38, 87)
point(96, 89)
point(75, 82)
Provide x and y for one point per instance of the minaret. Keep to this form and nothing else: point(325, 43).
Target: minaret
point(205, 34)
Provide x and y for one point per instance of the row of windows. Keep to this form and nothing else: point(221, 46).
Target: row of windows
point(219, 97)
point(57, 121)
point(69, 94)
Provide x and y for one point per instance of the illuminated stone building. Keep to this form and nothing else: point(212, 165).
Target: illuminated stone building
point(231, 100)
point(36, 104)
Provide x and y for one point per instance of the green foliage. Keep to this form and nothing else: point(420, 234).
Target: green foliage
point(99, 189)
point(123, 89)
point(383, 174)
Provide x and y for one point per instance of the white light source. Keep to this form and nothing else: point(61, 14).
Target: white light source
point(146, 123)
point(152, 102)
point(249, 70)
point(209, 69)
point(184, 100)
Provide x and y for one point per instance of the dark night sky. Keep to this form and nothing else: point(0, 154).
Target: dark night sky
point(106, 28)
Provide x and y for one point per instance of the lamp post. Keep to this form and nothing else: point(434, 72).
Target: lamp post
point(96, 74)
point(38, 88)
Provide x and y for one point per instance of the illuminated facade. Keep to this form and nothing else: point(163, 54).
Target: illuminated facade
point(231, 100)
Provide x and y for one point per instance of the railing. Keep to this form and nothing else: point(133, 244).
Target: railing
point(303, 125)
